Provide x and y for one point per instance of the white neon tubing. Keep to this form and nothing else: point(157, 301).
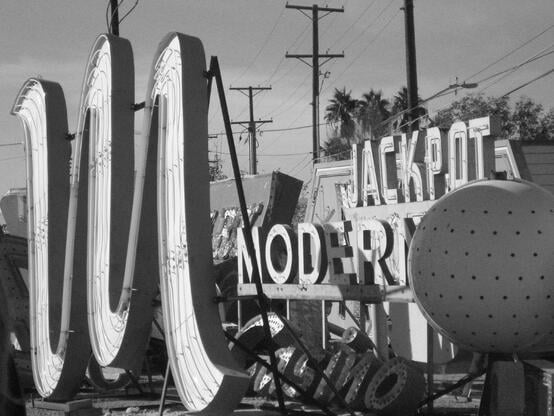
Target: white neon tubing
point(106, 327)
point(119, 332)
point(199, 379)
point(56, 371)
point(47, 365)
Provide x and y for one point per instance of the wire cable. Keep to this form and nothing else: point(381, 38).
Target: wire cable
point(528, 61)
point(511, 52)
point(283, 57)
point(253, 61)
point(510, 71)
point(268, 154)
point(338, 77)
point(529, 82)
point(129, 12)
point(110, 18)
point(360, 16)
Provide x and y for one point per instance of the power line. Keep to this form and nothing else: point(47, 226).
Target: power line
point(290, 106)
point(529, 82)
point(374, 21)
point(262, 47)
point(293, 169)
point(129, 12)
point(368, 26)
point(222, 133)
point(519, 66)
point(512, 51)
point(299, 38)
point(12, 158)
point(363, 50)
point(268, 80)
point(266, 154)
point(528, 61)
point(360, 16)
point(252, 125)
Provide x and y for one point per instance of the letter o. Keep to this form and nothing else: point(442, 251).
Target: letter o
point(287, 272)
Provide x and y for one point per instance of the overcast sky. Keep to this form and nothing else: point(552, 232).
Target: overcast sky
point(454, 38)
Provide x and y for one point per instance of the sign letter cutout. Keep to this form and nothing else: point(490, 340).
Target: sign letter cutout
point(204, 371)
point(60, 345)
point(129, 211)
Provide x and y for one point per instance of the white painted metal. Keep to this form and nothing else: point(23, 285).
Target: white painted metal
point(57, 303)
point(481, 264)
point(203, 369)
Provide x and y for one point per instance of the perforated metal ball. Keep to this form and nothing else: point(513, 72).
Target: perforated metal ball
point(481, 266)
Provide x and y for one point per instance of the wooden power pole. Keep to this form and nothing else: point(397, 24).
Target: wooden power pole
point(411, 67)
point(114, 17)
point(251, 124)
point(315, 64)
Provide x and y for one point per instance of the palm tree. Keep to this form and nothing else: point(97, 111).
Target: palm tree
point(372, 110)
point(341, 113)
point(399, 106)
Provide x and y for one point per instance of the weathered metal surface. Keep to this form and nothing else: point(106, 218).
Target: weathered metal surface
point(480, 263)
point(338, 371)
point(396, 388)
point(361, 375)
point(271, 199)
point(205, 374)
point(330, 292)
point(252, 336)
point(14, 291)
point(14, 210)
point(119, 282)
point(59, 334)
point(277, 194)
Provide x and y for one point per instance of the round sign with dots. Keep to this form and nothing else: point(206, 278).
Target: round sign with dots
point(481, 266)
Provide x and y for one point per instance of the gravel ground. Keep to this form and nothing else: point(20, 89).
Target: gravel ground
point(130, 403)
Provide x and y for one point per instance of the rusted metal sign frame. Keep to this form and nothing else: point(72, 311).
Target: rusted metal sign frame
point(331, 292)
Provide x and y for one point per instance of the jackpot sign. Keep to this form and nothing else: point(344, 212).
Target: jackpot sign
point(390, 185)
point(106, 225)
point(394, 179)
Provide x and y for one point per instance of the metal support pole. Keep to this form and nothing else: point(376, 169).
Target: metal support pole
point(315, 82)
point(380, 331)
point(262, 300)
point(461, 382)
point(114, 17)
point(411, 68)
point(164, 389)
point(135, 382)
point(430, 367)
point(252, 125)
point(252, 128)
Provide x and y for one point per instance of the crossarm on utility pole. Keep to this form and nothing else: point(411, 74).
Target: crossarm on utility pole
point(251, 92)
point(315, 57)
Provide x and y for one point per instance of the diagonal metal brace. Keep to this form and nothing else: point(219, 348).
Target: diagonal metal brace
point(215, 72)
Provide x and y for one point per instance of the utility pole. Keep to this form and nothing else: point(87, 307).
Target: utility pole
point(252, 91)
point(114, 18)
point(315, 64)
point(411, 68)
